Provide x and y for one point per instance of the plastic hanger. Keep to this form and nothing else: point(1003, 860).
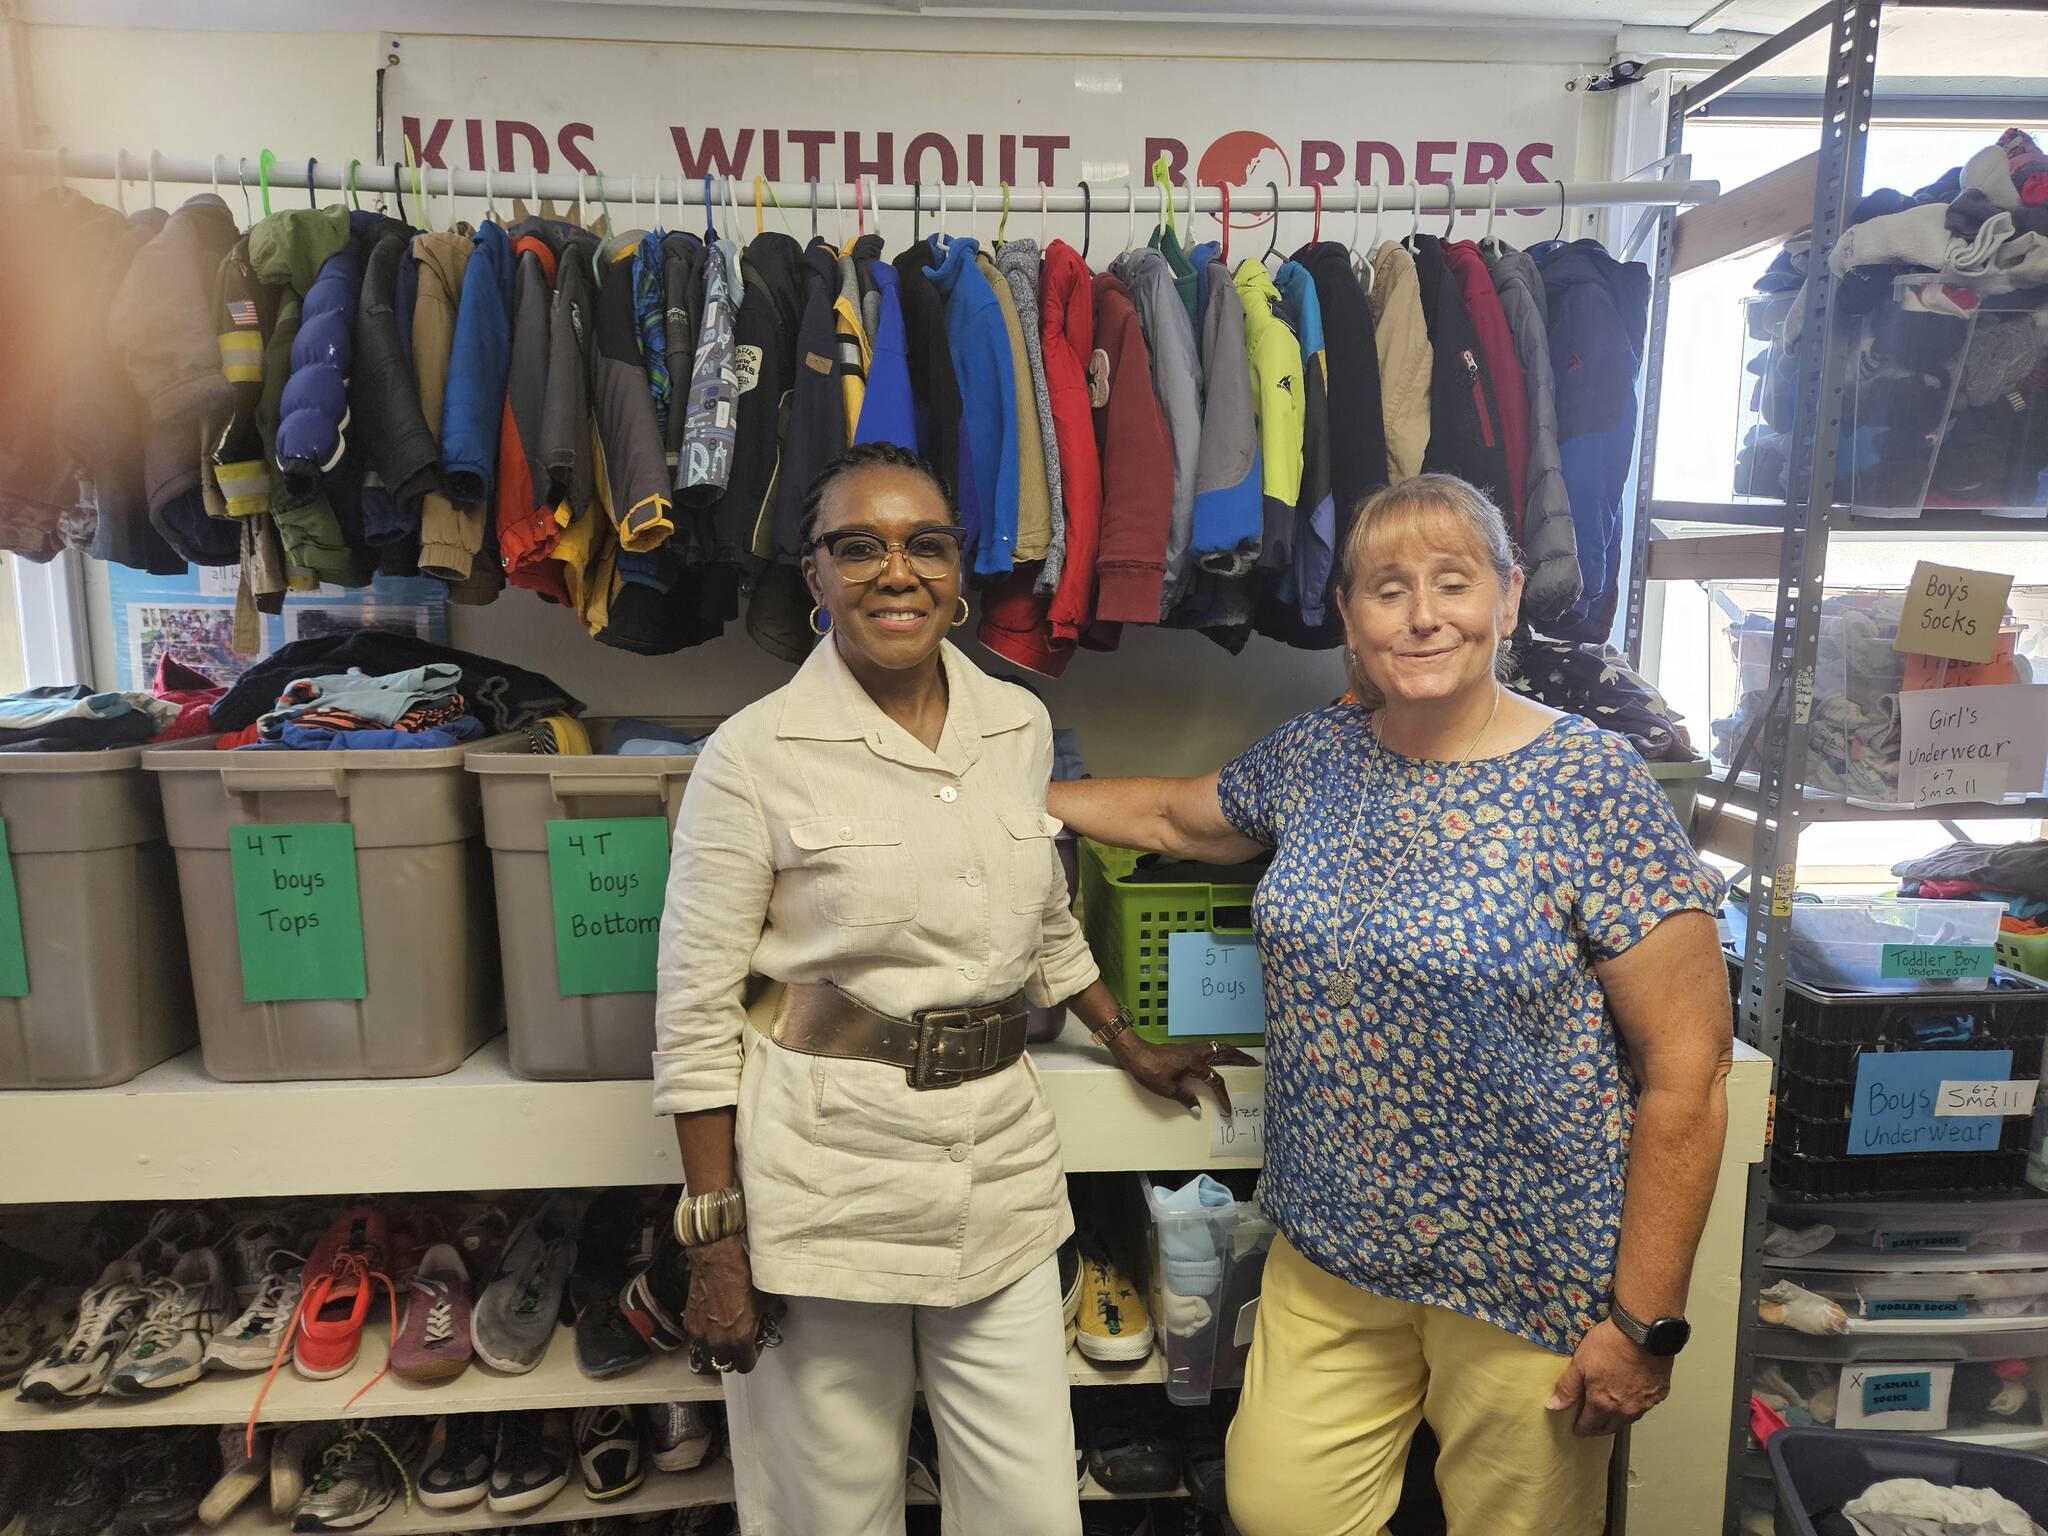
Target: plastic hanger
point(1131, 214)
point(398, 188)
point(1003, 222)
point(710, 215)
point(354, 201)
point(1488, 241)
point(941, 232)
point(1087, 219)
point(838, 218)
point(605, 203)
point(490, 198)
point(916, 212)
point(760, 217)
point(264, 162)
point(1044, 218)
point(974, 213)
point(1414, 214)
point(312, 198)
point(1361, 267)
point(121, 180)
point(1560, 208)
point(1450, 210)
point(860, 207)
point(154, 155)
point(814, 208)
point(732, 215)
point(1273, 243)
point(1316, 230)
point(1224, 188)
point(419, 195)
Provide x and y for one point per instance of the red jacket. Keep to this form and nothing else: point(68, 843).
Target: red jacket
point(1137, 468)
point(1497, 348)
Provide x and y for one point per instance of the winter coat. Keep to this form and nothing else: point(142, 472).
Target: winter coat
point(1407, 362)
point(1019, 263)
point(1177, 378)
point(1549, 541)
point(389, 420)
point(1228, 517)
point(234, 472)
point(888, 413)
point(1357, 409)
point(473, 407)
point(1034, 490)
point(712, 406)
point(1137, 456)
point(440, 260)
point(1503, 370)
point(854, 347)
point(1464, 419)
point(764, 363)
point(818, 430)
point(1315, 512)
point(933, 385)
point(1066, 305)
point(978, 341)
point(635, 467)
point(566, 447)
point(1598, 317)
point(1280, 399)
point(528, 529)
point(682, 283)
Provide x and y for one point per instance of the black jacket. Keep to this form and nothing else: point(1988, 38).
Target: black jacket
point(764, 345)
point(384, 392)
point(682, 285)
point(933, 384)
point(1464, 432)
point(817, 410)
point(1358, 437)
point(565, 446)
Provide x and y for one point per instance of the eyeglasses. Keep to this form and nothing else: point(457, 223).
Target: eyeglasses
point(931, 553)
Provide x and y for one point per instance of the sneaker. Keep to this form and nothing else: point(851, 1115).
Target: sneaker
point(532, 1464)
point(82, 1485)
point(1129, 1457)
point(168, 1475)
point(78, 1366)
point(291, 1454)
point(172, 1232)
point(357, 1478)
point(607, 1241)
point(457, 1469)
point(416, 1231)
point(169, 1346)
point(655, 1294)
point(514, 1322)
point(607, 1344)
point(1114, 1324)
point(250, 1342)
point(341, 1278)
point(1070, 1286)
point(247, 1250)
point(608, 1449)
point(481, 1238)
point(681, 1435)
point(433, 1344)
point(24, 1327)
point(241, 1474)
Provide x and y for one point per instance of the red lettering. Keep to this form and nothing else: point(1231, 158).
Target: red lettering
point(428, 149)
point(473, 133)
point(812, 140)
point(771, 153)
point(1526, 162)
point(712, 158)
point(1321, 161)
point(974, 159)
point(1484, 161)
point(573, 153)
point(1427, 153)
point(1371, 150)
point(1006, 159)
point(1176, 157)
point(536, 144)
point(1044, 145)
point(882, 167)
point(913, 158)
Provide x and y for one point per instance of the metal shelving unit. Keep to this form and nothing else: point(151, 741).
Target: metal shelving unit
point(1775, 792)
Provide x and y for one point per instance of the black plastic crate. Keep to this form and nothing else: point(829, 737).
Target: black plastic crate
point(1890, 1178)
point(1820, 1470)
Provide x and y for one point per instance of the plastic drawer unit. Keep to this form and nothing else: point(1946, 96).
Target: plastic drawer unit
point(1208, 1263)
point(553, 1032)
point(427, 993)
point(1962, 1382)
point(1947, 1234)
point(106, 993)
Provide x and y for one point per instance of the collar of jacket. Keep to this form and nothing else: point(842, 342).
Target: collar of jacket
point(825, 702)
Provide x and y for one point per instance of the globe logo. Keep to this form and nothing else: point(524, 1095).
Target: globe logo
point(1246, 161)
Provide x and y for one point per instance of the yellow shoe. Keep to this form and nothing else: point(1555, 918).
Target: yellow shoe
point(1114, 1322)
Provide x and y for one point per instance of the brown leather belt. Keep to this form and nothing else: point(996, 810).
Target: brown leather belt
point(935, 1047)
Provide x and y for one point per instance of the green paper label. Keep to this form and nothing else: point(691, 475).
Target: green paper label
point(1937, 962)
point(13, 958)
point(609, 876)
point(297, 912)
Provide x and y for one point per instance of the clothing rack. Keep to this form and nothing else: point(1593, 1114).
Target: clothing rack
point(1110, 199)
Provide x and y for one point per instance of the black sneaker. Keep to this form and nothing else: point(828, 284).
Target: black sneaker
point(1131, 1457)
point(532, 1464)
point(169, 1473)
point(457, 1469)
point(609, 1451)
point(656, 1293)
point(605, 1245)
point(82, 1486)
point(606, 1344)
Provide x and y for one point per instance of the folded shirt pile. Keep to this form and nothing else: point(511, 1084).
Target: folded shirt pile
point(73, 718)
point(417, 709)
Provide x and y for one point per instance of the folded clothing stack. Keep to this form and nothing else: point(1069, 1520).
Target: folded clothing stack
point(416, 710)
point(633, 737)
point(73, 718)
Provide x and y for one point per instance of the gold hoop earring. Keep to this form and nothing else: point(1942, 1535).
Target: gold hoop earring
point(963, 614)
point(817, 628)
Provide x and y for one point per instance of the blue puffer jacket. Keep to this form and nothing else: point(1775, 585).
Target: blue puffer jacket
point(313, 411)
point(473, 408)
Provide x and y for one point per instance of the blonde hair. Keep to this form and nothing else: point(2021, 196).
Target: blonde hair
point(1451, 511)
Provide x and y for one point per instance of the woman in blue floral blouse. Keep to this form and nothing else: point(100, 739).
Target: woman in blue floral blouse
point(1497, 1043)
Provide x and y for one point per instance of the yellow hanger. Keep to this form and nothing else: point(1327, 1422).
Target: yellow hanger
point(1163, 179)
point(412, 163)
point(1003, 223)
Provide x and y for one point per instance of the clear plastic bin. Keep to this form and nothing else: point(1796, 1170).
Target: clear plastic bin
point(1841, 944)
point(1928, 1300)
point(1975, 1382)
point(597, 1035)
point(109, 995)
point(1917, 1234)
point(1207, 1267)
point(429, 937)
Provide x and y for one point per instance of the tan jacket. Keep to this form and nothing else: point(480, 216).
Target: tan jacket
point(1034, 490)
point(819, 841)
point(450, 535)
point(1405, 358)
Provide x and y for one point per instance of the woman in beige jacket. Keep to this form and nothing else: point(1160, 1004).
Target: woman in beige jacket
point(866, 1144)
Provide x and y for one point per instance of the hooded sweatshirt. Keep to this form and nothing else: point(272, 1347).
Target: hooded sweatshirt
point(1315, 520)
point(978, 340)
point(1177, 379)
point(1067, 334)
point(634, 465)
point(1280, 398)
point(888, 412)
point(1018, 262)
point(1407, 362)
point(566, 441)
point(472, 409)
point(1229, 519)
point(527, 527)
point(1137, 456)
point(1034, 492)
point(1548, 536)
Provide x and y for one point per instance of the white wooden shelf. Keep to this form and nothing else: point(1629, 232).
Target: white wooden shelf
point(176, 1134)
point(556, 1382)
point(662, 1491)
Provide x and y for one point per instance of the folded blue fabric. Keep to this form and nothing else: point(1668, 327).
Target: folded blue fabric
point(312, 739)
point(634, 737)
point(1191, 1251)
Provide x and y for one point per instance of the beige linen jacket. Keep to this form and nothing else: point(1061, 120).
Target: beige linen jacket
point(819, 841)
point(1401, 336)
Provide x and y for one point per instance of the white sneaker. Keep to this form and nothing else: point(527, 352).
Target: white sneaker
point(250, 1342)
point(173, 1231)
point(108, 1314)
point(22, 1330)
point(247, 1249)
point(185, 1311)
point(680, 1435)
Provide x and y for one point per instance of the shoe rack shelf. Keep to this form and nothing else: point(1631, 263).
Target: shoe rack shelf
point(175, 1134)
point(661, 1492)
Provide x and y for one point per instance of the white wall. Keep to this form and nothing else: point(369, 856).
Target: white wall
point(1167, 701)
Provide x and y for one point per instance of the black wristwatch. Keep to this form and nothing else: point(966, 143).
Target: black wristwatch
point(1663, 1338)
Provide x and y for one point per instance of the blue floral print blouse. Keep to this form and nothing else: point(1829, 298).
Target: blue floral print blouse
point(1458, 1134)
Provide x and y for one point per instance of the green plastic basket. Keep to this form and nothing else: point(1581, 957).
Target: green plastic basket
point(2024, 952)
point(1127, 926)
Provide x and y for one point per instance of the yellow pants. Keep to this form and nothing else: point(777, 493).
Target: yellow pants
point(1336, 1383)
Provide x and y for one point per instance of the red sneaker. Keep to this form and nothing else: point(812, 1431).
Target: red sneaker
point(341, 1277)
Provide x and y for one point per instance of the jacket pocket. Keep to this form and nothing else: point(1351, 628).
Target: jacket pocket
point(1030, 853)
point(1479, 398)
point(862, 872)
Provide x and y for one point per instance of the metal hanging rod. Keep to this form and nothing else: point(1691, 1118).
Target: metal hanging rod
point(1111, 198)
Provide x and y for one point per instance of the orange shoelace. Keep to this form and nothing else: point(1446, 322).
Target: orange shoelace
point(351, 1264)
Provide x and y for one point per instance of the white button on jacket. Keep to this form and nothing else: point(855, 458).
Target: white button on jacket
point(806, 851)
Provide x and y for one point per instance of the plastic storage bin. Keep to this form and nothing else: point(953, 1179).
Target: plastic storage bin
point(429, 939)
point(1839, 945)
point(109, 995)
point(1920, 1234)
point(1128, 922)
point(1969, 1382)
point(2026, 953)
point(1681, 781)
point(599, 1035)
point(1817, 1471)
point(1207, 1267)
point(1826, 1034)
point(1905, 1299)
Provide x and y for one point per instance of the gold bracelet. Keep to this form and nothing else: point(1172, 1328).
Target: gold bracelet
point(1122, 1021)
point(702, 1219)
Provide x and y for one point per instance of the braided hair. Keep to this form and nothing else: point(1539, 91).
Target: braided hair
point(869, 456)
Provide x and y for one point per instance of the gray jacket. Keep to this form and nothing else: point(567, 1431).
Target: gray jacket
point(1549, 544)
point(1230, 435)
point(1177, 380)
point(1018, 261)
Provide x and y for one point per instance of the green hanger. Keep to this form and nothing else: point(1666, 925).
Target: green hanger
point(1163, 179)
point(354, 201)
point(264, 162)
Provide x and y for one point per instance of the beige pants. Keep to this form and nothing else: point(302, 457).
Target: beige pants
point(820, 1426)
point(1336, 1383)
